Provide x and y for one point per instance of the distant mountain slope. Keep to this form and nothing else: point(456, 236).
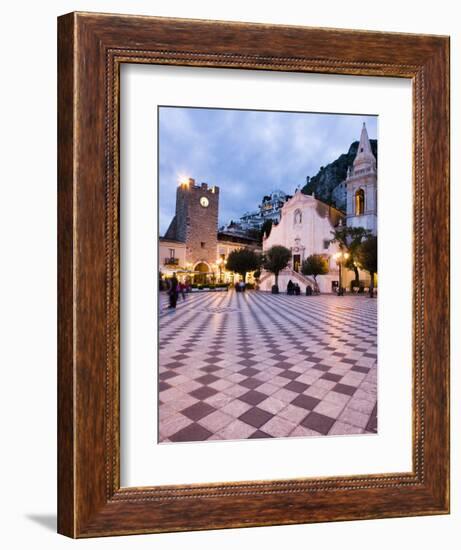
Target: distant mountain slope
point(331, 175)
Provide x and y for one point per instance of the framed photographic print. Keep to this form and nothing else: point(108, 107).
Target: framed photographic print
point(253, 275)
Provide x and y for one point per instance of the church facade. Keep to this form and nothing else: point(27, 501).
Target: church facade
point(305, 228)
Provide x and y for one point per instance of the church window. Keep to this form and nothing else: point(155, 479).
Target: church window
point(202, 245)
point(326, 244)
point(359, 202)
point(298, 217)
point(171, 252)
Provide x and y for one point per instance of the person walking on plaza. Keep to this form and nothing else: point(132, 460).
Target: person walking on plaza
point(173, 291)
point(182, 290)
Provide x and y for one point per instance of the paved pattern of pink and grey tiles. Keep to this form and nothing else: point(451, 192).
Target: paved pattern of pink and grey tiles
point(255, 365)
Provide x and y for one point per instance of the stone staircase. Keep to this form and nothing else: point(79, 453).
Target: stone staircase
point(267, 279)
point(302, 279)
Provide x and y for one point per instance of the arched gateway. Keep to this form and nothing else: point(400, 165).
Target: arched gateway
point(201, 269)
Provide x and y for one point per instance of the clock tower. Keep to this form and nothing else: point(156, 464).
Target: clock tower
point(196, 223)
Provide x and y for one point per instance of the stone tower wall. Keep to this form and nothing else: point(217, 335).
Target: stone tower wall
point(181, 213)
point(197, 225)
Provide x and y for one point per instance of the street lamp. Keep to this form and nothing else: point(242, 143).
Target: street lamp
point(341, 258)
point(220, 263)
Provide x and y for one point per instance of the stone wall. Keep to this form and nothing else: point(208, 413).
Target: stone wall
point(195, 223)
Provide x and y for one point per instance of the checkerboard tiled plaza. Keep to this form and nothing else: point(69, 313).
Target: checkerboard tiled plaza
point(253, 365)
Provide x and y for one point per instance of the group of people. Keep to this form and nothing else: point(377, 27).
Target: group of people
point(239, 286)
point(175, 288)
point(293, 288)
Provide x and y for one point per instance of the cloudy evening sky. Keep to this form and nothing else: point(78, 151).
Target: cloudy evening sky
point(247, 154)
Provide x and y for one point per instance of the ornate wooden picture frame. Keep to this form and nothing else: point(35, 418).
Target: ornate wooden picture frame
point(92, 48)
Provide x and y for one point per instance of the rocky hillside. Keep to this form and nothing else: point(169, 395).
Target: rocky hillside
point(331, 175)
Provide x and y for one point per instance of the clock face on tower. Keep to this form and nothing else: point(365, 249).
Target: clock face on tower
point(204, 202)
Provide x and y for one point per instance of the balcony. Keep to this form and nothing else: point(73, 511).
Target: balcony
point(171, 261)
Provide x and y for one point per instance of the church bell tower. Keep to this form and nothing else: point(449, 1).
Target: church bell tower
point(362, 190)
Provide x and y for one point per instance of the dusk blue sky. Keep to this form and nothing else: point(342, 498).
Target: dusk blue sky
point(248, 154)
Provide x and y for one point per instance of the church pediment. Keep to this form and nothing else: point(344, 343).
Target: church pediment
point(298, 201)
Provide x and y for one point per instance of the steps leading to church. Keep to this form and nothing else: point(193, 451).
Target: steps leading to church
point(267, 279)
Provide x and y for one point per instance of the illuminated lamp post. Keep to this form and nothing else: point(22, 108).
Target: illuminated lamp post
point(341, 258)
point(220, 264)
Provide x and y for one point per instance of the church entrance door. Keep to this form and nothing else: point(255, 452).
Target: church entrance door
point(296, 262)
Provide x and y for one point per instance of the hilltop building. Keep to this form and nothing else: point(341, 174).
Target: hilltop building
point(269, 209)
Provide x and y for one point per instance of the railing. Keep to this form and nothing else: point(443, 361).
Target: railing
point(304, 279)
point(265, 276)
point(360, 172)
point(171, 261)
point(295, 274)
